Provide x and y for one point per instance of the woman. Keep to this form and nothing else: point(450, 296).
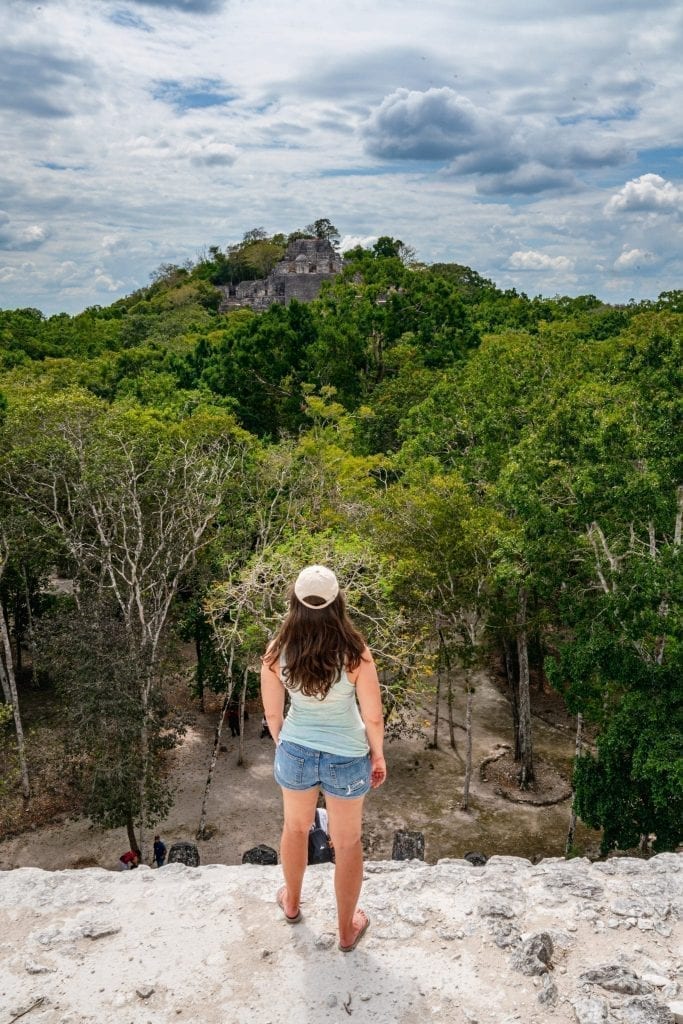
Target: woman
point(321, 660)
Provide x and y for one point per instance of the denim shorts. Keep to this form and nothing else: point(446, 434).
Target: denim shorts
point(337, 774)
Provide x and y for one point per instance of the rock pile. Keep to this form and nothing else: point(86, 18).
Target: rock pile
point(565, 942)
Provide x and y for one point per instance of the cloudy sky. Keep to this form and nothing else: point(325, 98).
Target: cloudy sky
point(540, 142)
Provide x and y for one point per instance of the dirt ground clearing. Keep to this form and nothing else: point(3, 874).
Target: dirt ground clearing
point(423, 792)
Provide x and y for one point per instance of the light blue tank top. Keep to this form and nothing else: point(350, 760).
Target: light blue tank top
point(332, 725)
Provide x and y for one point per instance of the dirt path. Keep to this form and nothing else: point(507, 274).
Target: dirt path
point(423, 792)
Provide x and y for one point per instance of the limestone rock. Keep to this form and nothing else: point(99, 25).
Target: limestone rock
point(589, 1010)
point(657, 980)
point(495, 908)
point(99, 929)
point(646, 1010)
point(35, 968)
point(506, 935)
point(548, 995)
point(534, 955)
point(615, 978)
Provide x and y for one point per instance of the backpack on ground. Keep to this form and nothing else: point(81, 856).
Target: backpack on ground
point(319, 847)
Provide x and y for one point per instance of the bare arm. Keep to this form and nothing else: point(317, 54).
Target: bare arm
point(273, 697)
point(370, 703)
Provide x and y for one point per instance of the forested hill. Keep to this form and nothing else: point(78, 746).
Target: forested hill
point(491, 474)
point(382, 335)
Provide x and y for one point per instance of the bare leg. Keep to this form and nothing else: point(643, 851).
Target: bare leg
point(299, 808)
point(346, 818)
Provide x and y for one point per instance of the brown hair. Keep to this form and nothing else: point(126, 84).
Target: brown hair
point(320, 643)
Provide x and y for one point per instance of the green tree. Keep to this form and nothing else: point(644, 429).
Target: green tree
point(323, 228)
point(133, 499)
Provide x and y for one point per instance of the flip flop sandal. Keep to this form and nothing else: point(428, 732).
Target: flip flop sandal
point(280, 900)
point(361, 933)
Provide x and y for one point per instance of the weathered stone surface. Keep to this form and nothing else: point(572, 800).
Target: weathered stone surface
point(428, 954)
point(495, 908)
point(589, 1010)
point(615, 978)
point(646, 1010)
point(640, 908)
point(534, 955)
point(35, 968)
point(676, 1011)
point(98, 929)
point(549, 994)
point(656, 980)
point(506, 935)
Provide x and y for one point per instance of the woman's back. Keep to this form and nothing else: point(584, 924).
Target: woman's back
point(332, 724)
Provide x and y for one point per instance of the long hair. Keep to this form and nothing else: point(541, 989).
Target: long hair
point(319, 643)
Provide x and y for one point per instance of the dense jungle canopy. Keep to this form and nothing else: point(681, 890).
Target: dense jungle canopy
point(489, 474)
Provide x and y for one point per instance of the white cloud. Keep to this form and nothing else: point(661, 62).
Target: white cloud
point(104, 282)
point(12, 237)
point(437, 124)
point(68, 271)
point(147, 131)
point(210, 153)
point(34, 234)
point(630, 259)
point(531, 260)
point(351, 241)
point(650, 193)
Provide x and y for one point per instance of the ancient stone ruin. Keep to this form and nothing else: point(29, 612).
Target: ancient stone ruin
point(307, 263)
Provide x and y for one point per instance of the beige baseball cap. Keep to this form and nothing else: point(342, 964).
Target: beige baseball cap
point(316, 581)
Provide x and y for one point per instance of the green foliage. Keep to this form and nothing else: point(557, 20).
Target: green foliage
point(97, 674)
point(634, 786)
point(323, 228)
point(448, 444)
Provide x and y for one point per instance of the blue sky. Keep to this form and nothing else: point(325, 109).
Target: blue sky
point(540, 143)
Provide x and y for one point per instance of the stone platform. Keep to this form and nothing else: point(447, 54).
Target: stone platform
point(560, 941)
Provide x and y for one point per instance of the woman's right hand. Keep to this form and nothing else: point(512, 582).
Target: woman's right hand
point(378, 770)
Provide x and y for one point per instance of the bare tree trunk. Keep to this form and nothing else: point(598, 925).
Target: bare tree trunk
point(451, 723)
point(526, 773)
point(512, 673)
point(130, 829)
point(449, 684)
point(200, 663)
point(214, 757)
point(243, 700)
point(464, 806)
point(144, 752)
point(9, 687)
point(571, 831)
point(29, 627)
point(435, 739)
point(17, 637)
